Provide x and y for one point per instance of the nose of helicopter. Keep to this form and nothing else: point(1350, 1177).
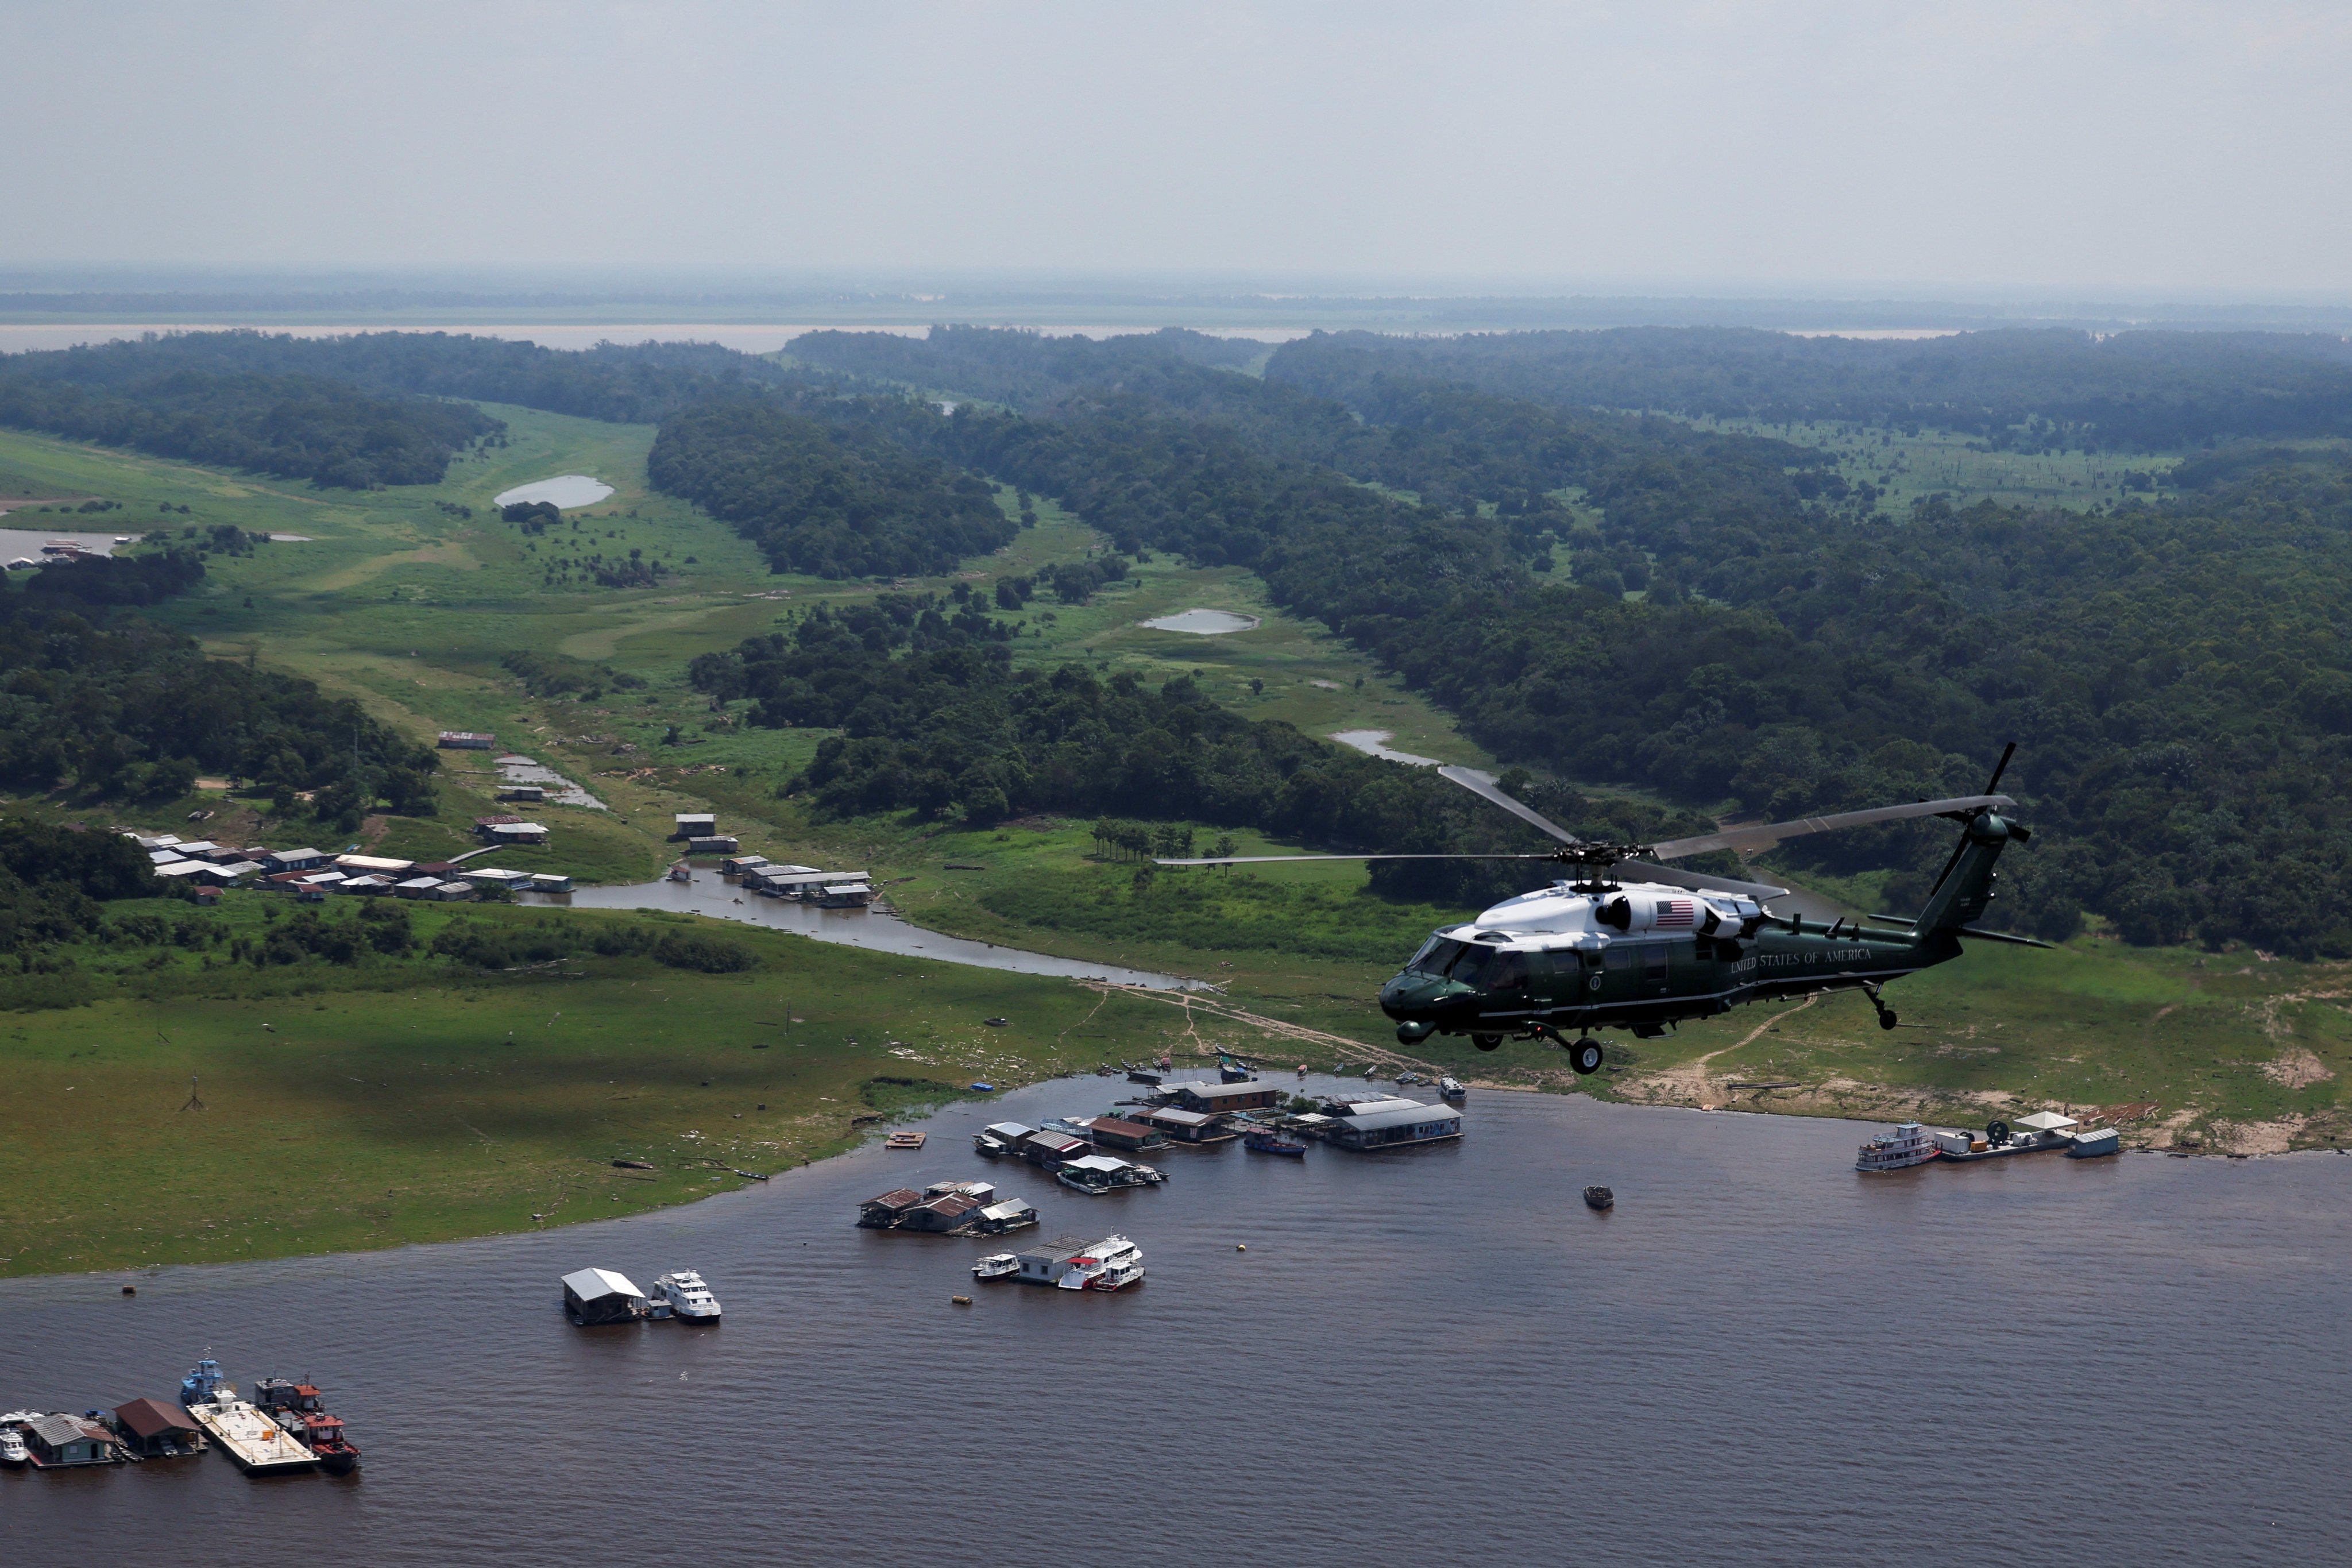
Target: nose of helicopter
point(1409, 997)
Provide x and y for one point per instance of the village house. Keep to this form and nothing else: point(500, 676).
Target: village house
point(467, 740)
point(58, 1441)
point(151, 1428)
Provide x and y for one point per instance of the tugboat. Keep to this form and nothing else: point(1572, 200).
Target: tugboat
point(297, 1406)
point(257, 1443)
point(1908, 1144)
point(996, 1265)
point(687, 1297)
point(1258, 1141)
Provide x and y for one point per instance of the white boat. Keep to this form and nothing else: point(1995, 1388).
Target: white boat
point(1111, 1264)
point(996, 1265)
point(1451, 1089)
point(687, 1297)
point(12, 1447)
point(1908, 1144)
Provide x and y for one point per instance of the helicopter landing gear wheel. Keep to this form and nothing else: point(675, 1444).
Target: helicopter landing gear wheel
point(1585, 1056)
point(1487, 1042)
point(1888, 1018)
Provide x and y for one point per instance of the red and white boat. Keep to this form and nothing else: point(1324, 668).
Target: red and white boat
point(1908, 1144)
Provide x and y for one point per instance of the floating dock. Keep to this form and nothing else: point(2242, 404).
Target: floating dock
point(254, 1441)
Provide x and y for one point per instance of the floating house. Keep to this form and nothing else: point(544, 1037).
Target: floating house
point(736, 865)
point(1111, 1132)
point(492, 877)
point(1218, 1098)
point(152, 1429)
point(1050, 1149)
point(713, 844)
point(549, 882)
point(845, 895)
point(693, 825)
point(885, 1211)
point(944, 1214)
point(1010, 1214)
point(980, 1192)
point(601, 1296)
point(58, 1441)
point(1188, 1126)
point(1389, 1125)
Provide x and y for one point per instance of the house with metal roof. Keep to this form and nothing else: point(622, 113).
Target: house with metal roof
point(1011, 1214)
point(883, 1213)
point(1396, 1124)
point(946, 1214)
point(603, 1296)
point(154, 1430)
point(1188, 1126)
point(58, 1441)
point(1219, 1098)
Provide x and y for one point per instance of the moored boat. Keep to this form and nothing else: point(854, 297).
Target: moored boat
point(996, 1265)
point(13, 1452)
point(1111, 1264)
point(1451, 1089)
point(299, 1408)
point(1599, 1197)
point(1908, 1144)
point(1260, 1142)
point(687, 1297)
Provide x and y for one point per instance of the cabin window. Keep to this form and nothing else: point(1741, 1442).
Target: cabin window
point(1621, 958)
point(1509, 972)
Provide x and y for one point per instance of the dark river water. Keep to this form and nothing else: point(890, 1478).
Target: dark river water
point(1433, 1356)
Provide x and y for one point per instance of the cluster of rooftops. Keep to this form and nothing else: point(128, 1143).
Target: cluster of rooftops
point(314, 872)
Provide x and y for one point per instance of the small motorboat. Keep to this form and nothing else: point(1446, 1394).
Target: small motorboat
point(996, 1265)
point(988, 1147)
point(983, 1089)
point(13, 1452)
point(1260, 1142)
point(1599, 1197)
point(1451, 1089)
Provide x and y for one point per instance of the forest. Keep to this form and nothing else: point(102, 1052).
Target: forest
point(2173, 673)
point(128, 708)
point(831, 501)
point(2019, 389)
point(292, 426)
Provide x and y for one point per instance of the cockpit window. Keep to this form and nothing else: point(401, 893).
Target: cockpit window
point(1469, 966)
point(1435, 955)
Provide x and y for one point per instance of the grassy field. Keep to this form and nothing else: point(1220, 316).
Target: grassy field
point(1944, 462)
point(408, 1102)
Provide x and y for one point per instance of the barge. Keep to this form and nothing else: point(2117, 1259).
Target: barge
point(246, 1433)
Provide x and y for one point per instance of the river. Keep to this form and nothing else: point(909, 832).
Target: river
point(1433, 1356)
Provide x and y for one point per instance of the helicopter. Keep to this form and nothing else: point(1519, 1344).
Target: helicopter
point(1663, 944)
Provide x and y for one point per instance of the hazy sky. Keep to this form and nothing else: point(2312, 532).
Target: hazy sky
point(2092, 144)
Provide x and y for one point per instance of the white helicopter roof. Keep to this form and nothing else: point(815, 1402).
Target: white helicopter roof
point(1561, 917)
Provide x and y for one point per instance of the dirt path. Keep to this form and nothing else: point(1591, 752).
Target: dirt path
point(1691, 1078)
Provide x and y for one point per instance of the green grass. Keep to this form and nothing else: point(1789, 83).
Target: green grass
point(410, 1102)
point(1905, 468)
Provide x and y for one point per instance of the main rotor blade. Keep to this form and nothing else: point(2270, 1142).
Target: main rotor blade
point(1482, 785)
point(1696, 881)
point(1772, 833)
point(1268, 859)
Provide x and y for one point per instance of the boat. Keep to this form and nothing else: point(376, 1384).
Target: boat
point(687, 1298)
point(13, 1452)
point(1234, 1072)
point(2092, 1145)
point(1259, 1142)
point(1111, 1264)
point(1599, 1197)
point(905, 1140)
point(681, 873)
point(1908, 1144)
point(987, 1147)
point(983, 1089)
point(250, 1436)
point(298, 1407)
point(1451, 1089)
point(996, 1265)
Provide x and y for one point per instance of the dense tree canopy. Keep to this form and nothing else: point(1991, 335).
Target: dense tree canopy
point(834, 501)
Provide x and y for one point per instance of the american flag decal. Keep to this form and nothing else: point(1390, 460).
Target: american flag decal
point(1676, 913)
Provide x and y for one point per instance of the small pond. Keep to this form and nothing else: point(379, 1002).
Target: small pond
point(1203, 622)
point(563, 491)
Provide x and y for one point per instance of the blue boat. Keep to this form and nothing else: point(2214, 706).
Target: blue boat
point(1259, 1142)
point(983, 1089)
point(203, 1385)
